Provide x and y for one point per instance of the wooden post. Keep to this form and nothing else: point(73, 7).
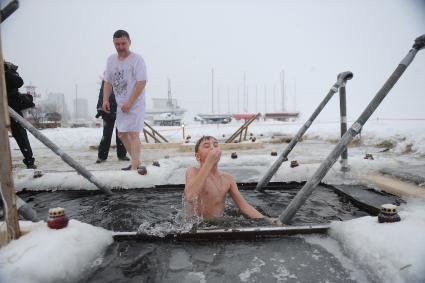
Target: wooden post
point(147, 133)
point(239, 132)
point(156, 132)
point(146, 137)
point(6, 178)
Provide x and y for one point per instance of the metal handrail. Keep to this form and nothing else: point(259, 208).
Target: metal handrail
point(340, 84)
point(65, 157)
point(326, 165)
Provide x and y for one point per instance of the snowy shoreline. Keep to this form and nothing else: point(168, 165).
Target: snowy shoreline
point(368, 250)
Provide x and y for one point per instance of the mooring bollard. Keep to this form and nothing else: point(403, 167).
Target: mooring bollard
point(294, 163)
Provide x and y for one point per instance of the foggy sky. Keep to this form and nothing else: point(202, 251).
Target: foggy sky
point(59, 44)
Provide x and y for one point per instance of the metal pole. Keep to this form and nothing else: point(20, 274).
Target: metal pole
point(9, 9)
point(309, 187)
point(65, 157)
point(342, 78)
point(343, 114)
point(26, 210)
point(183, 131)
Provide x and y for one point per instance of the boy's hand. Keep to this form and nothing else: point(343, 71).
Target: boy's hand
point(273, 221)
point(213, 156)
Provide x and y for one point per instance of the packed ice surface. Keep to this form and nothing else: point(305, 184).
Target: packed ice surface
point(373, 252)
point(392, 144)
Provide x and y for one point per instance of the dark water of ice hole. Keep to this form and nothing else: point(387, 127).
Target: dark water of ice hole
point(290, 259)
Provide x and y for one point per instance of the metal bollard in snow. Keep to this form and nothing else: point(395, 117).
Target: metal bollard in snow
point(388, 214)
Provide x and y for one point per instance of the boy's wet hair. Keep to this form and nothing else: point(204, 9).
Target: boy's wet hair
point(121, 33)
point(203, 138)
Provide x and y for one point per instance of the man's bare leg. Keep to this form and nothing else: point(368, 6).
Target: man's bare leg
point(134, 139)
point(127, 144)
point(131, 143)
point(124, 138)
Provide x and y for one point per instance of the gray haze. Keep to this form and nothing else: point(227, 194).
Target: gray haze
point(59, 44)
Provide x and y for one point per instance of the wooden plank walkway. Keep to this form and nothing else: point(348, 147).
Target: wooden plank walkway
point(395, 186)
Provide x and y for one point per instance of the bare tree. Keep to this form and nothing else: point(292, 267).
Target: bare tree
point(35, 116)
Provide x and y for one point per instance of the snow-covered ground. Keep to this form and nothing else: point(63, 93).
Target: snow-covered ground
point(386, 252)
point(405, 141)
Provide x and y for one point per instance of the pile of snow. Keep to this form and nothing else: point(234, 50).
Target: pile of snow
point(387, 252)
point(45, 255)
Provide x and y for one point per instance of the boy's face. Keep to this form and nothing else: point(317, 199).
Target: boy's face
point(205, 147)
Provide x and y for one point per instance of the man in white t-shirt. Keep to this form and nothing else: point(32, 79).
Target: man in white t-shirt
point(126, 75)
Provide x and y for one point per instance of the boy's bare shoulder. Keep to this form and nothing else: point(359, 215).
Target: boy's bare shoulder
point(227, 176)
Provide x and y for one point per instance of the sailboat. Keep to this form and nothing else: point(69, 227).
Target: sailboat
point(166, 111)
point(212, 118)
point(283, 115)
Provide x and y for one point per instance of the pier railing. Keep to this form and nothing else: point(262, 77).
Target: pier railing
point(65, 157)
point(339, 85)
point(323, 169)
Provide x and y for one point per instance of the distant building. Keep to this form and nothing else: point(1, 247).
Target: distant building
point(81, 108)
point(55, 103)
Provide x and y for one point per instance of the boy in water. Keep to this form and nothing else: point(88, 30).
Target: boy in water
point(206, 187)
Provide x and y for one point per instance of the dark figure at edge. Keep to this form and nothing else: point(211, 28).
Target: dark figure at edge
point(16, 102)
point(108, 128)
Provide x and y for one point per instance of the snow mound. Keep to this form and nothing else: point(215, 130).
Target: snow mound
point(45, 255)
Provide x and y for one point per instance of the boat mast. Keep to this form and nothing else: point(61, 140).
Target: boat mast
point(282, 84)
point(295, 95)
point(170, 100)
point(212, 91)
point(245, 98)
point(76, 101)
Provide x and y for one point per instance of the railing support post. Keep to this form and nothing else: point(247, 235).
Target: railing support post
point(309, 187)
point(343, 114)
point(341, 80)
point(65, 157)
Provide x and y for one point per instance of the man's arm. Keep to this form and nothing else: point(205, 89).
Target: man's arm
point(244, 206)
point(107, 90)
point(138, 88)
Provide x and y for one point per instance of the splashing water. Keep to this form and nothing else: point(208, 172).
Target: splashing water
point(185, 220)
